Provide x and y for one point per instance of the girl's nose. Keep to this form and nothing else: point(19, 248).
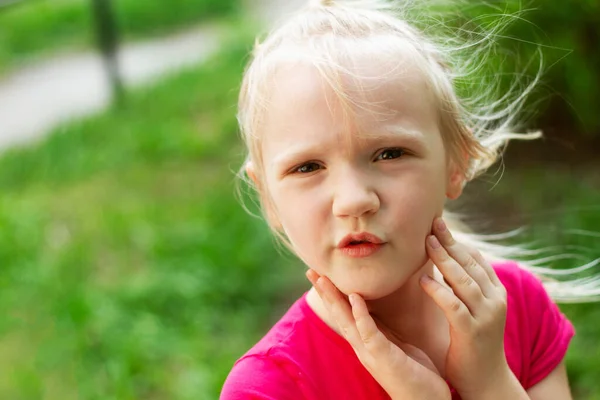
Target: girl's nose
point(354, 196)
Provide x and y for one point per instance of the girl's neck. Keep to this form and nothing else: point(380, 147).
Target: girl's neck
point(409, 312)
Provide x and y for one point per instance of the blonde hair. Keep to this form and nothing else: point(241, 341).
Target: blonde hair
point(325, 31)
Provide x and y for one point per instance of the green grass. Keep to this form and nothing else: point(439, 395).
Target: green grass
point(39, 27)
point(129, 271)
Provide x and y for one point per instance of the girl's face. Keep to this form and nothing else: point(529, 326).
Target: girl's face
point(385, 173)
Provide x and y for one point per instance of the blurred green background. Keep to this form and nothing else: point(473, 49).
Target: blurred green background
point(128, 269)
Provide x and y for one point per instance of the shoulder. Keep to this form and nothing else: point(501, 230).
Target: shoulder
point(259, 377)
point(513, 276)
point(526, 292)
point(523, 286)
point(537, 332)
point(270, 369)
point(525, 289)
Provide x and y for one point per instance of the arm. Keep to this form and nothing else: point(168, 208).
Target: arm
point(555, 386)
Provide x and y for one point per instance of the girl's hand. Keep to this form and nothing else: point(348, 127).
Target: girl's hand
point(476, 312)
point(404, 371)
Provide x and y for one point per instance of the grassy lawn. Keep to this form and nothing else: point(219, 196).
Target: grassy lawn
point(32, 28)
point(129, 271)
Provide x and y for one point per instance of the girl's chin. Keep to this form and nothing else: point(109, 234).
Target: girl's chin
point(371, 282)
point(372, 290)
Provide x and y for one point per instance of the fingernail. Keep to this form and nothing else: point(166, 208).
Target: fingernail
point(441, 225)
point(425, 278)
point(319, 283)
point(310, 276)
point(322, 291)
point(434, 243)
point(352, 299)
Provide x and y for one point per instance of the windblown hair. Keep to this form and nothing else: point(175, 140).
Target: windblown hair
point(330, 34)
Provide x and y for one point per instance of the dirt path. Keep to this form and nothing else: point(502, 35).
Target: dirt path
point(35, 99)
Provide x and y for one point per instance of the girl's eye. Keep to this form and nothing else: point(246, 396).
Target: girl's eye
point(390, 154)
point(307, 168)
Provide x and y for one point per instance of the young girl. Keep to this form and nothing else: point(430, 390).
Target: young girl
point(356, 140)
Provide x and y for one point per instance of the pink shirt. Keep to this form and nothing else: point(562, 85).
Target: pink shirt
point(303, 358)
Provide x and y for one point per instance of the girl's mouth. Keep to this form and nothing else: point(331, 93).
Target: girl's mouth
point(359, 238)
point(361, 249)
point(360, 245)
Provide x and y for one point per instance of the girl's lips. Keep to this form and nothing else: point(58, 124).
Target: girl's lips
point(361, 250)
point(359, 238)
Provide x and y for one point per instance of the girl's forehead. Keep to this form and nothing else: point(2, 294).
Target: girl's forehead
point(361, 98)
point(356, 67)
point(355, 75)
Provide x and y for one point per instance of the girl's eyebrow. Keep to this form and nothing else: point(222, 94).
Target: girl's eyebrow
point(294, 154)
point(397, 132)
point(389, 132)
point(393, 133)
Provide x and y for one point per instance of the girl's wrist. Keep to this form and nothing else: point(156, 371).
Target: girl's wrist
point(504, 386)
point(441, 396)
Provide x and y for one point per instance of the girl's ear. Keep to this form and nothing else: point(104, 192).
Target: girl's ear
point(270, 213)
point(251, 172)
point(456, 181)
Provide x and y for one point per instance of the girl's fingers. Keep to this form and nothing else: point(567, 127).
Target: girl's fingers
point(374, 341)
point(338, 307)
point(312, 277)
point(463, 284)
point(354, 320)
point(487, 267)
point(471, 265)
point(455, 310)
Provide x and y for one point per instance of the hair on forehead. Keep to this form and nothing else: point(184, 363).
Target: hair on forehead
point(351, 74)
